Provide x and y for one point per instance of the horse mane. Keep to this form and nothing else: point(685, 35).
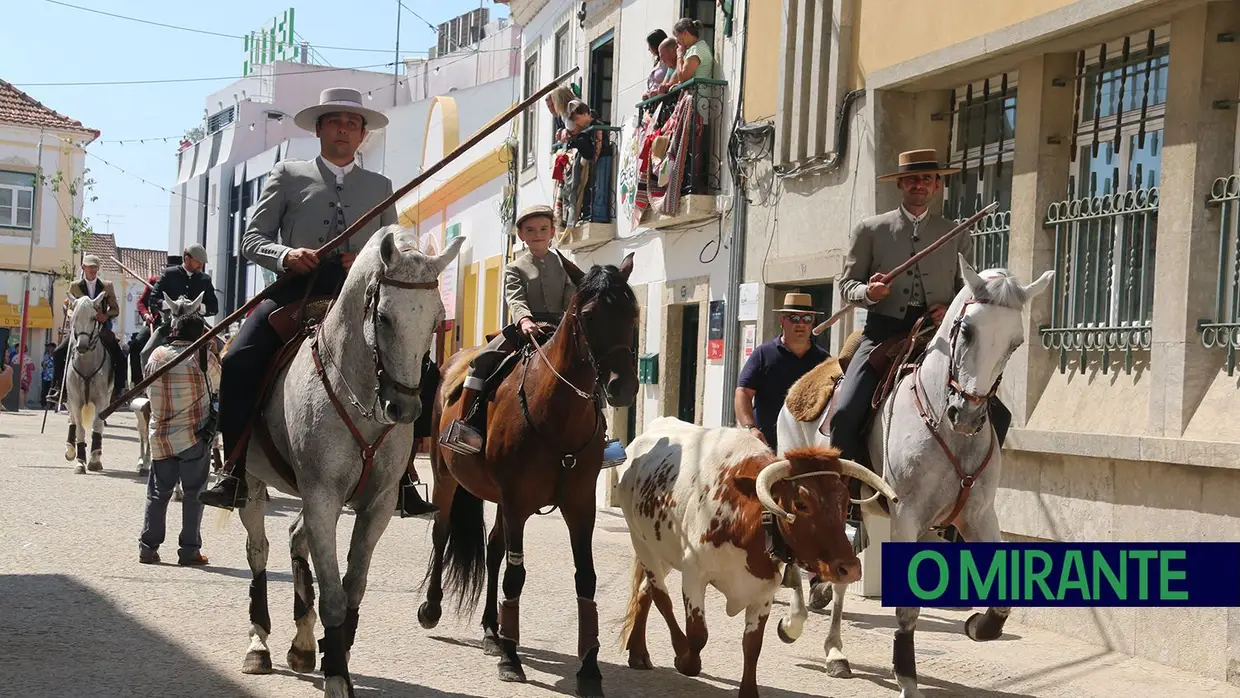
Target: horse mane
point(603, 285)
point(1002, 289)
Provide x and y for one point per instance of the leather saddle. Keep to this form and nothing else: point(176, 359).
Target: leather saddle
point(889, 359)
point(293, 324)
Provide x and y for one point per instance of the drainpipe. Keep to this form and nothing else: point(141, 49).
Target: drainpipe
point(736, 257)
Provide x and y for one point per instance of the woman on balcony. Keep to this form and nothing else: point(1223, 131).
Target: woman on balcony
point(696, 62)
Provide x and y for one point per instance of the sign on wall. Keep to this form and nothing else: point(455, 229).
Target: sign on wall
point(749, 336)
point(747, 305)
point(714, 332)
point(275, 42)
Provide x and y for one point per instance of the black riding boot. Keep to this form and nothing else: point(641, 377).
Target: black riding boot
point(229, 491)
point(411, 502)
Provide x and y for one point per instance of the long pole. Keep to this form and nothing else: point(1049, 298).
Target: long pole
point(891, 275)
point(21, 349)
point(396, 68)
point(342, 238)
point(131, 272)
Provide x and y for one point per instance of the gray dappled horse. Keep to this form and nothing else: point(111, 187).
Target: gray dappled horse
point(340, 415)
point(88, 383)
point(939, 408)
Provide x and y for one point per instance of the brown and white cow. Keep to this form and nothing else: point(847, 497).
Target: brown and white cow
point(694, 499)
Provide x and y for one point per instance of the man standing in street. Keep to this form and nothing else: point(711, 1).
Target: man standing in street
point(181, 436)
point(185, 280)
point(303, 205)
point(774, 366)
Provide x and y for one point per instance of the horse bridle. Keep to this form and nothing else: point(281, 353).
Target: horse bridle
point(954, 385)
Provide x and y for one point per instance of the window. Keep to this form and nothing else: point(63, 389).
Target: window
point(982, 143)
point(529, 126)
point(220, 119)
point(16, 200)
point(563, 61)
point(1106, 233)
point(602, 63)
point(704, 12)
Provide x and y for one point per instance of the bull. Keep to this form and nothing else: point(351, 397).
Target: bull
point(720, 507)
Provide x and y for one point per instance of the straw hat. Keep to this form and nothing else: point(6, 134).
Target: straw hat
point(919, 162)
point(798, 303)
point(532, 211)
point(337, 99)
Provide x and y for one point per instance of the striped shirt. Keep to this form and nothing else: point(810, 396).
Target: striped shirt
point(179, 400)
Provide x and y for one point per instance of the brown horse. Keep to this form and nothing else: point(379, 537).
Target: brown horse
point(544, 446)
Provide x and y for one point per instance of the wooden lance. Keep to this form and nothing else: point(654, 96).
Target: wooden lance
point(891, 275)
point(131, 272)
point(339, 240)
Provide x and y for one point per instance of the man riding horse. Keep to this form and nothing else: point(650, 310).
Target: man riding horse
point(92, 286)
point(185, 280)
point(537, 290)
point(303, 205)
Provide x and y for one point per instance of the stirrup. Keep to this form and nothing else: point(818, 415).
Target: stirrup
point(460, 437)
point(613, 454)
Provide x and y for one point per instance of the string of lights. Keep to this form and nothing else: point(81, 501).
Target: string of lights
point(166, 81)
point(78, 146)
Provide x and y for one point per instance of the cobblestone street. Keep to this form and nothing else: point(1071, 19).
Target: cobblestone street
point(80, 617)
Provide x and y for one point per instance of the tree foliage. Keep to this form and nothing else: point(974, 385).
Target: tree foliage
point(79, 189)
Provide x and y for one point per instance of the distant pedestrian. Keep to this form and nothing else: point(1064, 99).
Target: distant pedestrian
point(49, 370)
point(181, 436)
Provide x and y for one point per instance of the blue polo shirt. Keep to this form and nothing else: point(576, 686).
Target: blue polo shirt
point(770, 372)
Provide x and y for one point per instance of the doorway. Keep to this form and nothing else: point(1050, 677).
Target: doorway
point(602, 54)
point(687, 390)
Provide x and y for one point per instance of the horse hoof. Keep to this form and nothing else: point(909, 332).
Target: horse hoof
point(820, 595)
point(301, 661)
point(256, 662)
point(94, 467)
point(590, 686)
point(70, 453)
point(983, 627)
point(839, 669)
point(490, 644)
point(80, 468)
point(511, 672)
point(783, 634)
point(689, 667)
point(337, 687)
point(640, 662)
point(427, 617)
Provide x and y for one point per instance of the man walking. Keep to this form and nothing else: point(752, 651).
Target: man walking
point(774, 366)
point(184, 280)
point(181, 437)
point(303, 205)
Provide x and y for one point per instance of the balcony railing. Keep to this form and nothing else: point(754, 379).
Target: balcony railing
point(1104, 276)
point(990, 240)
point(694, 150)
point(1223, 331)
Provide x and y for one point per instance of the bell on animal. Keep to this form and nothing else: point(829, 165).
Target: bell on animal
point(613, 454)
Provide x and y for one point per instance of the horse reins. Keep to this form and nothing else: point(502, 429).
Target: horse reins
point(932, 422)
point(369, 449)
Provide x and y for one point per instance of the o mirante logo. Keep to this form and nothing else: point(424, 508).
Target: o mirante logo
point(1061, 574)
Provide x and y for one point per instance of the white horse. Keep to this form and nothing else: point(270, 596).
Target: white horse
point(340, 416)
point(88, 383)
point(935, 413)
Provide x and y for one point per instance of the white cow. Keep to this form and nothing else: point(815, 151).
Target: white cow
point(720, 507)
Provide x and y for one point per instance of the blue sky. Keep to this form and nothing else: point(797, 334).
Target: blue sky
point(99, 49)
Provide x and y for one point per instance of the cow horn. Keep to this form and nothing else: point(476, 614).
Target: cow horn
point(869, 477)
point(767, 478)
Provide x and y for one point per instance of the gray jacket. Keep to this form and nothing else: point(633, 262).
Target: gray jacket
point(302, 206)
point(537, 288)
point(883, 242)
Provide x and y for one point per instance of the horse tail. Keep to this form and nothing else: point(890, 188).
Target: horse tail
point(88, 416)
point(465, 556)
point(635, 595)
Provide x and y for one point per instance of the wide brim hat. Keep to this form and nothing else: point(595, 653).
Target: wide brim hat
point(919, 162)
point(338, 99)
point(532, 211)
point(798, 303)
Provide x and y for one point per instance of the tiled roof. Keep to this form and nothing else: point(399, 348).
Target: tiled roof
point(17, 107)
point(103, 246)
point(148, 263)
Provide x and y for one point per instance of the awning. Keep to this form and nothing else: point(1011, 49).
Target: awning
point(11, 315)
